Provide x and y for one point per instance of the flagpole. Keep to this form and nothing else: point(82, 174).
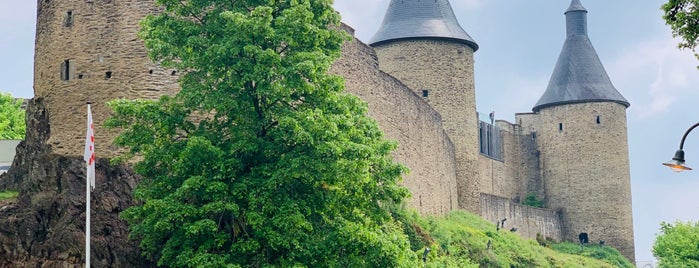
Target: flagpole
point(87, 218)
point(89, 158)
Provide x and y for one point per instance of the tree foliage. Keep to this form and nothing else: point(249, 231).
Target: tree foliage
point(677, 245)
point(261, 160)
point(683, 18)
point(12, 125)
point(533, 200)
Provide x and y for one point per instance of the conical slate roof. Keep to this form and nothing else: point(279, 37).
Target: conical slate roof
point(579, 75)
point(575, 6)
point(411, 19)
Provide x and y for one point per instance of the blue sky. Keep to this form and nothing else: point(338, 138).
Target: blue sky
point(519, 44)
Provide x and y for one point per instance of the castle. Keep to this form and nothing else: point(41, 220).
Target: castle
point(417, 77)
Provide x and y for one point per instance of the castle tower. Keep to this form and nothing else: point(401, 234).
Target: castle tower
point(422, 44)
point(89, 51)
point(583, 143)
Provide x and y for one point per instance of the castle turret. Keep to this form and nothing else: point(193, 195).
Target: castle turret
point(579, 75)
point(89, 51)
point(582, 137)
point(422, 44)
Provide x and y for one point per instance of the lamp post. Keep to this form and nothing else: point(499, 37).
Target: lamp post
point(677, 163)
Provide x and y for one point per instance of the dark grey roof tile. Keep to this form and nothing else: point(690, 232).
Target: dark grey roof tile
point(579, 75)
point(409, 19)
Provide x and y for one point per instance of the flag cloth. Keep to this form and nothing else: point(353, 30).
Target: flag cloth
point(89, 155)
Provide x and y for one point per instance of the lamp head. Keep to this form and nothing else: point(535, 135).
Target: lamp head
point(677, 163)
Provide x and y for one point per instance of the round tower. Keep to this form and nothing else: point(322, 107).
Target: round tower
point(583, 143)
point(422, 44)
point(89, 51)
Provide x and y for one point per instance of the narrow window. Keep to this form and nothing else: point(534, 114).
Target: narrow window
point(560, 126)
point(150, 71)
point(533, 135)
point(173, 73)
point(425, 93)
point(68, 21)
point(80, 76)
point(598, 120)
point(65, 70)
point(108, 74)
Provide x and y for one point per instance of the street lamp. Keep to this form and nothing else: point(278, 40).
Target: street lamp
point(677, 163)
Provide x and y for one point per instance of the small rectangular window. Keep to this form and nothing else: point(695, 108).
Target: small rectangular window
point(65, 70)
point(599, 121)
point(68, 20)
point(108, 75)
point(560, 126)
point(425, 93)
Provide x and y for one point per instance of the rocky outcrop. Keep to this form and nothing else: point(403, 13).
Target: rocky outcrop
point(45, 226)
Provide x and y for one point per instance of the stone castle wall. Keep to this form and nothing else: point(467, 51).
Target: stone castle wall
point(529, 166)
point(496, 176)
point(517, 174)
point(442, 73)
point(585, 167)
point(405, 117)
point(529, 221)
point(89, 51)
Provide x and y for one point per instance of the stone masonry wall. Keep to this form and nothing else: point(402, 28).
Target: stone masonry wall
point(530, 165)
point(529, 221)
point(497, 177)
point(585, 166)
point(518, 174)
point(442, 72)
point(95, 42)
point(89, 51)
point(405, 117)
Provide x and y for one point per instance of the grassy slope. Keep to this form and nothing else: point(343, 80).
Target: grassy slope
point(460, 239)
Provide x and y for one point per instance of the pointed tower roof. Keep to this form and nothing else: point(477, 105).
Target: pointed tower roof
point(575, 6)
point(579, 75)
point(416, 19)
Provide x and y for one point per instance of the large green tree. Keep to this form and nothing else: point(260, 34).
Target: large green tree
point(12, 126)
point(677, 245)
point(683, 18)
point(262, 159)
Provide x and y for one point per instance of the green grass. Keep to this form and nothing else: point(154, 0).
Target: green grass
point(606, 253)
point(460, 239)
point(8, 195)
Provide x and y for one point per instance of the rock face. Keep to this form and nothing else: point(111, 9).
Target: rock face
point(45, 226)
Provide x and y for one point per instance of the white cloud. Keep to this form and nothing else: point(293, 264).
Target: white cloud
point(654, 75)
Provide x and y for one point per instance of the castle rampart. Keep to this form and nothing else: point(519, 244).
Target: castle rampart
point(420, 89)
point(441, 71)
point(405, 117)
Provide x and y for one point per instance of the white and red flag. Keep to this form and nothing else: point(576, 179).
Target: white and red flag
point(90, 149)
point(90, 180)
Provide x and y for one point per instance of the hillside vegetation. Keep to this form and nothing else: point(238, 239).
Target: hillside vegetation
point(461, 239)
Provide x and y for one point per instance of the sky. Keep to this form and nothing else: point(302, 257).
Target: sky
point(519, 45)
